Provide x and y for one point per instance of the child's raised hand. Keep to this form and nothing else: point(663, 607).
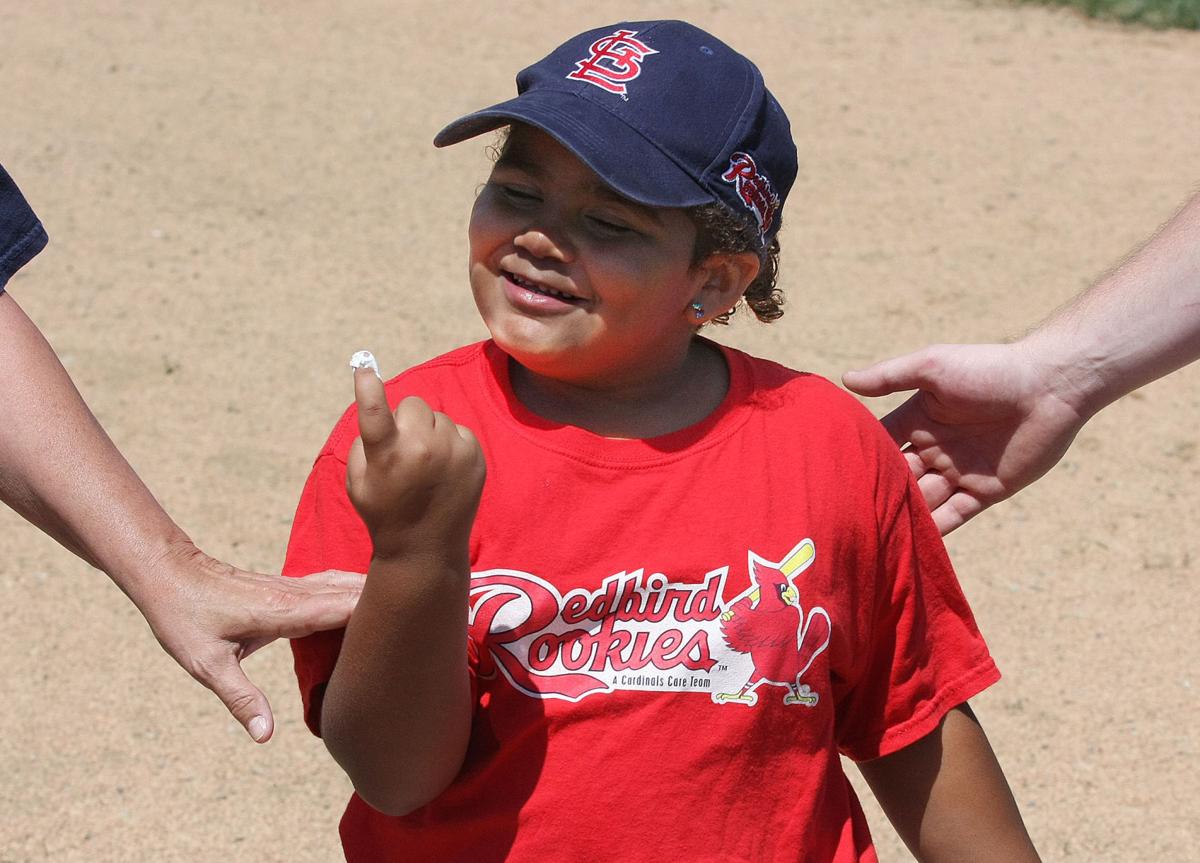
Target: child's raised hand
point(414, 476)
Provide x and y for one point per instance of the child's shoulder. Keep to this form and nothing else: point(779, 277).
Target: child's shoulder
point(826, 429)
point(431, 380)
point(776, 387)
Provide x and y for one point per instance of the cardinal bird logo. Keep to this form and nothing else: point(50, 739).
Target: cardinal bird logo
point(769, 625)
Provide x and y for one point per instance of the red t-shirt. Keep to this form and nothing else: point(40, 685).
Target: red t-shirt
point(671, 639)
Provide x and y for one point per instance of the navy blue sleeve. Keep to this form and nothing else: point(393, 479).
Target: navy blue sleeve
point(21, 234)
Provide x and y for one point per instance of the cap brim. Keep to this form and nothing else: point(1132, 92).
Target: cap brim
point(623, 158)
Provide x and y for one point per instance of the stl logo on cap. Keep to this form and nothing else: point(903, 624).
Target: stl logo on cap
point(754, 189)
point(614, 61)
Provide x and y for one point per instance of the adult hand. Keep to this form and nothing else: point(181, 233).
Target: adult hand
point(986, 421)
point(210, 616)
point(61, 471)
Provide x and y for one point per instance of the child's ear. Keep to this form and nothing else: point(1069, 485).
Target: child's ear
point(726, 277)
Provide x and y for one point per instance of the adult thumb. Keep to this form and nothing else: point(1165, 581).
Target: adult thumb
point(888, 376)
point(244, 700)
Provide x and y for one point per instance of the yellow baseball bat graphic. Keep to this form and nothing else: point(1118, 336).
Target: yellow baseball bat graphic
point(796, 561)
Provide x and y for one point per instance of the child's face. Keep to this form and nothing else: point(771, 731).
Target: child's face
point(573, 281)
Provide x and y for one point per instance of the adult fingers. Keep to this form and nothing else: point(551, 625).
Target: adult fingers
point(915, 463)
point(282, 607)
point(957, 511)
point(375, 423)
point(293, 612)
point(906, 419)
point(332, 579)
point(241, 697)
point(935, 488)
point(338, 580)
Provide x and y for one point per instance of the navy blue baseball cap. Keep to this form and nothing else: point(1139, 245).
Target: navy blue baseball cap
point(665, 113)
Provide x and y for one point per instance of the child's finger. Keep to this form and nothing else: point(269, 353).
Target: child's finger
point(375, 423)
point(415, 424)
point(466, 434)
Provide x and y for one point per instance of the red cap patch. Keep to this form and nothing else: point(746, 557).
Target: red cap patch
point(754, 189)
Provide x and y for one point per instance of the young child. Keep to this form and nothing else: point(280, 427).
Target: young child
point(692, 579)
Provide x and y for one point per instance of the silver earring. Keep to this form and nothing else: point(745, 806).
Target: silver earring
point(697, 310)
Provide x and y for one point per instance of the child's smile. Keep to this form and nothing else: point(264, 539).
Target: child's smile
point(575, 282)
point(538, 296)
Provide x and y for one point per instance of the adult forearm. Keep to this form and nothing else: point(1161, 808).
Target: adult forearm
point(397, 712)
point(1140, 322)
point(60, 470)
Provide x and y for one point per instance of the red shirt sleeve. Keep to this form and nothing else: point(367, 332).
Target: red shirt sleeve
point(926, 654)
point(326, 534)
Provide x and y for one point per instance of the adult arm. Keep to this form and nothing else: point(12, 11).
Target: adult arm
point(988, 420)
point(61, 471)
point(948, 799)
point(396, 713)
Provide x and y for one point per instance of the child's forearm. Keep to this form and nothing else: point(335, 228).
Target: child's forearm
point(948, 799)
point(397, 711)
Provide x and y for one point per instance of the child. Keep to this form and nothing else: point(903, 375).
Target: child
point(692, 579)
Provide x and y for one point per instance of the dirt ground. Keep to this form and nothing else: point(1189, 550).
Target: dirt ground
point(238, 197)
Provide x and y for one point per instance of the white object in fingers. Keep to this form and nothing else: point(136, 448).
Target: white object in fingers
point(365, 360)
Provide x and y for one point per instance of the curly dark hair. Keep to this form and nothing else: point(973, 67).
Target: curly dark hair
point(719, 230)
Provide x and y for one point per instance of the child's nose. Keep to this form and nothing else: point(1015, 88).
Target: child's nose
point(541, 245)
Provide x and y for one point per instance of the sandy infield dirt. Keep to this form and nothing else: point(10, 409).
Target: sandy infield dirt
point(239, 197)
